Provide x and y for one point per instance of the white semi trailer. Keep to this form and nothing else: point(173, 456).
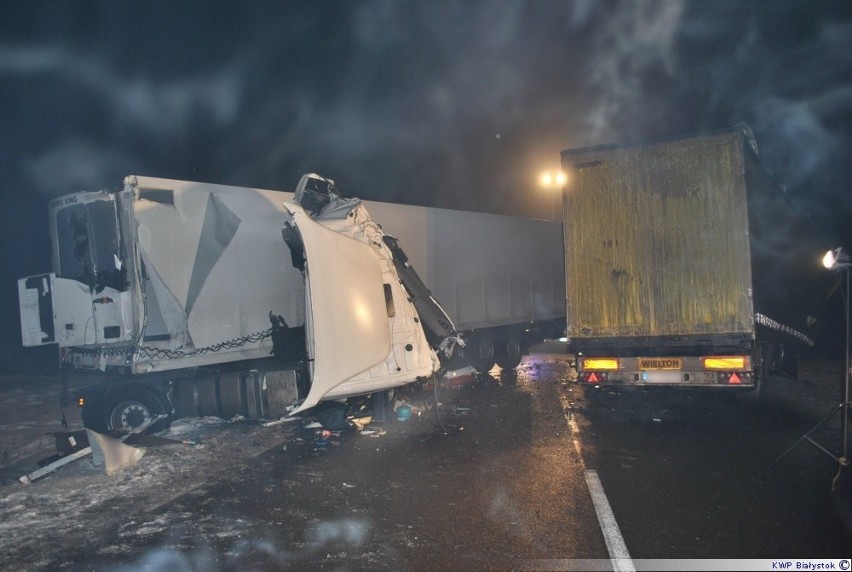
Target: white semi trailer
point(186, 298)
point(500, 278)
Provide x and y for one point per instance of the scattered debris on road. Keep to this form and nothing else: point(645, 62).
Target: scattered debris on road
point(111, 452)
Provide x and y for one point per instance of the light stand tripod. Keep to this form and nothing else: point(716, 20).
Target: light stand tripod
point(834, 260)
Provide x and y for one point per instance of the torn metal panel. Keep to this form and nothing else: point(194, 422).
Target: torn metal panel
point(215, 266)
point(347, 327)
point(220, 226)
point(437, 323)
point(409, 356)
point(168, 236)
point(252, 277)
point(163, 309)
point(112, 453)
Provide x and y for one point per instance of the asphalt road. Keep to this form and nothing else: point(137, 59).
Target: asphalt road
point(502, 486)
point(506, 486)
point(688, 476)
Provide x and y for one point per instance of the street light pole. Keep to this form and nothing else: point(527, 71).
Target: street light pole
point(848, 366)
point(554, 182)
point(553, 206)
point(837, 259)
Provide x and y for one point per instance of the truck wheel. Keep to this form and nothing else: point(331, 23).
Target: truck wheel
point(131, 408)
point(481, 353)
point(511, 352)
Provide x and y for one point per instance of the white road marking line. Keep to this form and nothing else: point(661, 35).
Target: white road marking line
point(619, 556)
point(612, 535)
point(572, 426)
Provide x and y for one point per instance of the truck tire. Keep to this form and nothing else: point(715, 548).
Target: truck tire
point(129, 408)
point(480, 353)
point(510, 352)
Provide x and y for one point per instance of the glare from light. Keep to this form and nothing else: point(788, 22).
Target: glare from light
point(552, 178)
point(836, 259)
point(362, 314)
point(828, 259)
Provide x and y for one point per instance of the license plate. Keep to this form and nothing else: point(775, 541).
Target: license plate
point(661, 376)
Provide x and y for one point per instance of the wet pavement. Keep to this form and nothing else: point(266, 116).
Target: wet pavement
point(688, 475)
point(499, 484)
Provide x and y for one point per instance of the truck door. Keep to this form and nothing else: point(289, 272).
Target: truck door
point(346, 320)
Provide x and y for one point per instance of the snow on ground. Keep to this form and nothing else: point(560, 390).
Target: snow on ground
point(29, 413)
point(67, 505)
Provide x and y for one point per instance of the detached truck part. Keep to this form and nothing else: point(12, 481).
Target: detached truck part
point(686, 265)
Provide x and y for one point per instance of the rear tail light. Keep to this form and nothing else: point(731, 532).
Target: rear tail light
point(593, 377)
point(607, 364)
point(727, 363)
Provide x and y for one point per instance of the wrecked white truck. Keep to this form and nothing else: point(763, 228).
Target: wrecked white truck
point(186, 298)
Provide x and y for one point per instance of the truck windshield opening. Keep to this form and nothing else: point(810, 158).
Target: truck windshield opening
point(88, 244)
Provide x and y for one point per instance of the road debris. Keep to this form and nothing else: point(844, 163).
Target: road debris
point(86, 451)
point(403, 413)
point(112, 453)
point(47, 469)
point(280, 421)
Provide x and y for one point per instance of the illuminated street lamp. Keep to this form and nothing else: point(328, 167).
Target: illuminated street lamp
point(554, 180)
point(836, 260)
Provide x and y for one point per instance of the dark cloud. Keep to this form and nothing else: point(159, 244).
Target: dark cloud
point(448, 103)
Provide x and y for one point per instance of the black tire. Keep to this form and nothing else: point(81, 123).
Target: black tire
point(129, 408)
point(480, 353)
point(510, 353)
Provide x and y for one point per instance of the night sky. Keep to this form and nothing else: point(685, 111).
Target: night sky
point(438, 103)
